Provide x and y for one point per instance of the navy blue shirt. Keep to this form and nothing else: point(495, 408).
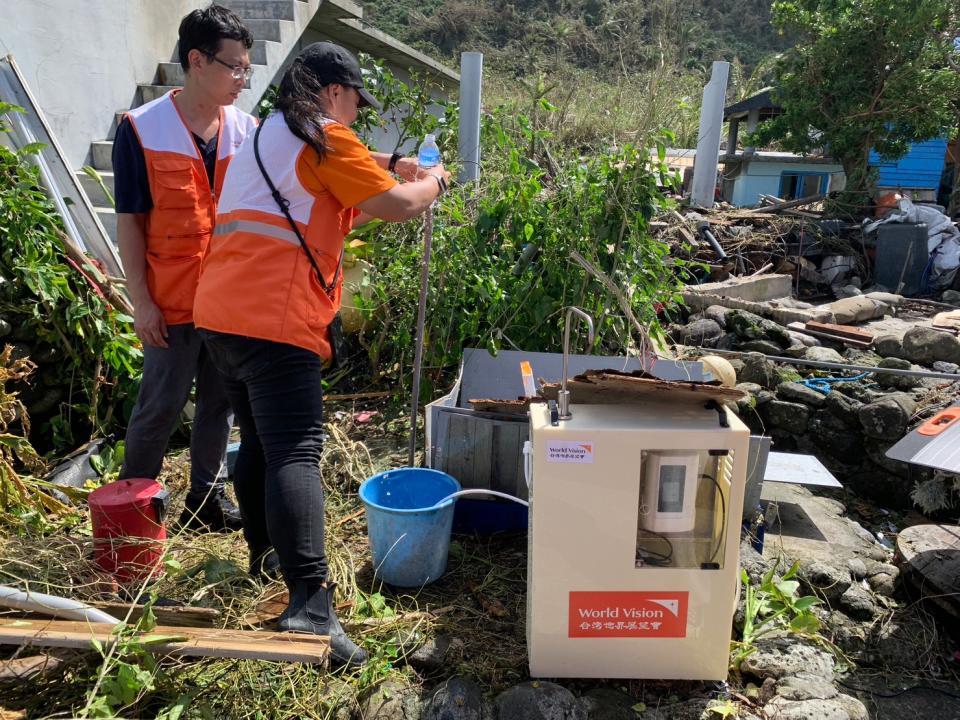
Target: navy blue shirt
point(132, 188)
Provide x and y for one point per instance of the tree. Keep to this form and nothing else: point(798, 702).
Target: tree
point(865, 74)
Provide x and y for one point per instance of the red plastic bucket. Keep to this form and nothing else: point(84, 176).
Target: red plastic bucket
point(128, 530)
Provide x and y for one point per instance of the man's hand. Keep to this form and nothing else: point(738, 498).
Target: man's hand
point(407, 168)
point(148, 324)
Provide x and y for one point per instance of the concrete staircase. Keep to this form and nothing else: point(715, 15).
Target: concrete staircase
point(276, 26)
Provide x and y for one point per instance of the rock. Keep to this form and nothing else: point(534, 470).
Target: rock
point(753, 562)
point(430, 656)
point(757, 369)
point(608, 704)
point(788, 373)
point(883, 584)
point(782, 709)
point(846, 409)
point(780, 657)
point(899, 382)
point(946, 367)
point(856, 710)
point(858, 603)
point(825, 580)
point(700, 333)
point(727, 341)
point(806, 687)
point(538, 701)
point(856, 356)
point(924, 345)
point(799, 338)
point(760, 346)
point(789, 416)
point(390, 700)
point(888, 346)
point(753, 327)
point(456, 699)
point(857, 568)
point(887, 419)
point(830, 433)
point(848, 635)
point(794, 391)
point(823, 354)
point(718, 313)
point(751, 388)
point(951, 297)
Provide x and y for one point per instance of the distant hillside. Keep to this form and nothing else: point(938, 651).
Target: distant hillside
point(608, 37)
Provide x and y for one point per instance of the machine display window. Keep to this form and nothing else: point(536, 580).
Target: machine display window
point(683, 510)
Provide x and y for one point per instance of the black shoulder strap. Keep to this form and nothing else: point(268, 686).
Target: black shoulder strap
point(284, 206)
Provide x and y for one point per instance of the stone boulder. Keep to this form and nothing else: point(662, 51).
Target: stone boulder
point(757, 369)
point(780, 657)
point(897, 382)
point(796, 392)
point(538, 701)
point(699, 333)
point(823, 354)
point(844, 408)
point(759, 346)
point(456, 699)
point(391, 700)
point(824, 579)
point(887, 418)
point(718, 313)
point(789, 416)
point(608, 704)
point(925, 345)
point(753, 327)
point(888, 346)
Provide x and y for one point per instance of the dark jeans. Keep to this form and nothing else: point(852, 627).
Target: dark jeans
point(275, 393)
point(168, 375)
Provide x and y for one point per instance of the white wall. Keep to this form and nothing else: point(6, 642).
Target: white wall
point(82, 59)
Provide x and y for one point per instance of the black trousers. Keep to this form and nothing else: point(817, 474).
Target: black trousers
point(277, 400)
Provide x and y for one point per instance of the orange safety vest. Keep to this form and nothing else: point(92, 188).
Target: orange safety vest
point(180, 223)
point(257, 281)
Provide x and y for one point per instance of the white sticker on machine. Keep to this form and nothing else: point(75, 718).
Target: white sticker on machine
point(565, 451)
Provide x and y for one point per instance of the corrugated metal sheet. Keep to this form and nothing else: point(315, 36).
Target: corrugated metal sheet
point(920, 168)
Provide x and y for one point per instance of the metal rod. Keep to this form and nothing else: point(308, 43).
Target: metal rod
point(421, 312)
point(839, 366)
point(563, 397)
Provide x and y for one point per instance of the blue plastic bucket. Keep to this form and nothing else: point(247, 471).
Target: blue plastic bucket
point(409, 538)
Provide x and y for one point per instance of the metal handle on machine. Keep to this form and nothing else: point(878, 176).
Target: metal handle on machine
point(563, 397)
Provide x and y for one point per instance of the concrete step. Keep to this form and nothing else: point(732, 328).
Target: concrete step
point(102, 152)
point(93, 189)
point(109, 220)
point(281, 31)
point(265, 52)
point(263, 9)
point(148, 93)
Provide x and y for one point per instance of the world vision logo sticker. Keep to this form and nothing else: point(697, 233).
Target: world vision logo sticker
point(569, 452)
point(628, 614)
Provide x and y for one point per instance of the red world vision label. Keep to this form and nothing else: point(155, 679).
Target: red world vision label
point(628, 614)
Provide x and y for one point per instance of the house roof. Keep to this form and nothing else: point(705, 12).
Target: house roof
point(762, 101)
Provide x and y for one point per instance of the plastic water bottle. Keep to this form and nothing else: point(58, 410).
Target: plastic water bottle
point(429, 154)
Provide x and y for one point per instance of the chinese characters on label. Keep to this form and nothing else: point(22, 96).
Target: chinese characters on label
point(628, 614)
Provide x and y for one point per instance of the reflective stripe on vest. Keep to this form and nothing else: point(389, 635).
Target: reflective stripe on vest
point(257, 280)
point(179, 225)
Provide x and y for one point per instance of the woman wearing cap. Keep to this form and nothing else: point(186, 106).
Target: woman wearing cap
point(270, 289)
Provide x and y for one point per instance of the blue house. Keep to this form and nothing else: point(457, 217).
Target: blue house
point(919, 171)
point(750, 173)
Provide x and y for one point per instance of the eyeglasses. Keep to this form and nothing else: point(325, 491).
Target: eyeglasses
point(238, 72)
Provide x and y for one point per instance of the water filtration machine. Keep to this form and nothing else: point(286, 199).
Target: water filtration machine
point(634, 538)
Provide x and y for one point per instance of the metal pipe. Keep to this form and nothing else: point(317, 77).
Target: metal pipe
point(705, 232)
point(52, 605)
point(471, 83)
point(418, 351)
point(563, 397)
point(840, 366)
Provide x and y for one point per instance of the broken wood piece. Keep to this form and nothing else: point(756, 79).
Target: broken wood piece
point(802, 328)
point(788, 204)
point(24, 668)
point(844, 331)
point(947, 320)
point(609, 387)
point(175, 615)
point(168, 640)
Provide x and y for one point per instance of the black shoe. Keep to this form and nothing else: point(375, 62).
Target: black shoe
point(311, 611)
point(210, 512)
point(265, 567)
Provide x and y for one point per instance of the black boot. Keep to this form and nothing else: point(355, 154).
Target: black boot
point(311, 611)
point(210, 512)
point(265, 566)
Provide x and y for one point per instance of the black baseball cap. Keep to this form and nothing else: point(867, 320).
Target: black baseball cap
point(334, 64)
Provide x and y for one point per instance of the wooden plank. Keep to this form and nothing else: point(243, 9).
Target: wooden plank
point(845, 331)
point(167, 640)
point(507, 447)
point(784, 205)
point(460, 451)
point(802, 328)
point(174, 615)
point(481, 451)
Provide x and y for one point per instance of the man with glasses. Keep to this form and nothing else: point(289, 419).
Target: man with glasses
point(169, 160)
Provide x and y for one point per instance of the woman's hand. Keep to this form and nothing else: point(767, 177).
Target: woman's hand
point(407, 168)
